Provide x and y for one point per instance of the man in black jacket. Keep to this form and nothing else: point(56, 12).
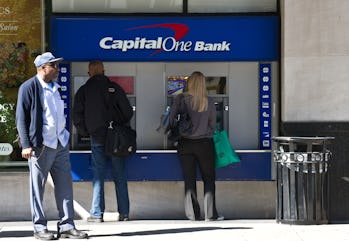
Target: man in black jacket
point(93, 105)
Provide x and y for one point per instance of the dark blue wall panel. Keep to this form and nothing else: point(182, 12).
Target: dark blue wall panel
point(166, 167)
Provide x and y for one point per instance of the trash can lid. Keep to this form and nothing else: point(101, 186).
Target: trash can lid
point(305, 138)
point(316, 140)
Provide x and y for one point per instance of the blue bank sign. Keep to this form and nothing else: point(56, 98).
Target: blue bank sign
point(166, 39)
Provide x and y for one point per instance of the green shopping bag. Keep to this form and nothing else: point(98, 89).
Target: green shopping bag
point(225, 153)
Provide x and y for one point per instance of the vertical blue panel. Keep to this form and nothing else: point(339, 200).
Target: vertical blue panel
point(64, 82)
point(265, 106)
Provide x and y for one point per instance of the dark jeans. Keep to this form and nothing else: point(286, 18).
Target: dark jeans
point(99, 161)
point(192, 153)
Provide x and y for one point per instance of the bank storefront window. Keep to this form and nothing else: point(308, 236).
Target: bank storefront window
point(231, 6)
point(117, 6)
point(164, 6)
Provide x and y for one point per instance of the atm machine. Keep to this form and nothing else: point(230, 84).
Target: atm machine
point(216, 88)
point(151, 87)
point(79, 142)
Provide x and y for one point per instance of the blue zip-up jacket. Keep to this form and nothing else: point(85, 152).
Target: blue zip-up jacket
point(29, 111)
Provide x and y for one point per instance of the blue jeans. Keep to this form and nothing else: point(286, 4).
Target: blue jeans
point(119, 174)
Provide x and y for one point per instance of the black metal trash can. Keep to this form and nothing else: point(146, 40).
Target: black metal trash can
point(302, 179)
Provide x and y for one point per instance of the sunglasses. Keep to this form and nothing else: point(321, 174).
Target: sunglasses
point(53, 65)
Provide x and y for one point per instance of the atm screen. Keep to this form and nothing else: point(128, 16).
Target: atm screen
point(215, 85)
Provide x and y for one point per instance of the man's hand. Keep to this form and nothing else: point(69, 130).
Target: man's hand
point(27, 152)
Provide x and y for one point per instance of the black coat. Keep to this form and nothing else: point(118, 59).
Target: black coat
point(98, 102)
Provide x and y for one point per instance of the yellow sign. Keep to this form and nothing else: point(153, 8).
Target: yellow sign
point(20, 41)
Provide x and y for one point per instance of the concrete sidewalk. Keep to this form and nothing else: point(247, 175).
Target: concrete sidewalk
point(179, 230)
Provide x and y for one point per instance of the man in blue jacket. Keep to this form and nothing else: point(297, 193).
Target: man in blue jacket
point(40, 123)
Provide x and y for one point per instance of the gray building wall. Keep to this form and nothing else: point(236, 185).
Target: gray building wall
point(315, 59)
point(148, 200)
point(314, 84)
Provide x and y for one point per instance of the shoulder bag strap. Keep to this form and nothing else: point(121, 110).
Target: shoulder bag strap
point(108, 98)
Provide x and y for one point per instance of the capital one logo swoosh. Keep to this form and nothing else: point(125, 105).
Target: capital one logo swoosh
point(180, 30)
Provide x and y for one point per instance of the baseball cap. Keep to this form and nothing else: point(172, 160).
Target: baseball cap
point(46, 58)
